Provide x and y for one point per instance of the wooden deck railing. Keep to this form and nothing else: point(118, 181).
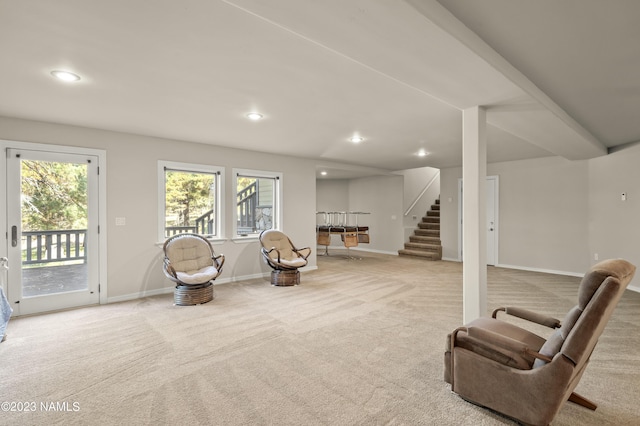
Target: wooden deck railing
point(246, 204)
point(53, 246)
point(204, 225)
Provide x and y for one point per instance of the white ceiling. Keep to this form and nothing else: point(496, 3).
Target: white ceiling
point(558, 77)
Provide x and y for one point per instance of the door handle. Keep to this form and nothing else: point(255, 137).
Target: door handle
point(14, 236)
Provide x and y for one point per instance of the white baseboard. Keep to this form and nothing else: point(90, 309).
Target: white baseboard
point(169, 290)
point(321, 250)
point(547, 271)
point(140, 295)
point(241, 278)
point(524, 268)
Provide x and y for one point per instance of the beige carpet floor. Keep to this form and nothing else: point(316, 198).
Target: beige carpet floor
point(359, 342)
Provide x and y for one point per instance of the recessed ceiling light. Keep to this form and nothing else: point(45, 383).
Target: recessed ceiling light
point(65, 75)
point(422, 153)
point(254, 116)
point(356, 139)
point(323, 173)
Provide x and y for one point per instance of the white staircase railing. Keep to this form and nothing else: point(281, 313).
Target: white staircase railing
point(426, 188)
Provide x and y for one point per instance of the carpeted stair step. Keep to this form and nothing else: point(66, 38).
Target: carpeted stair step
point(427, 232)
point(429, 225)
point(422, 246)
point(431, 219)
point(425, 240)
point(429, 255)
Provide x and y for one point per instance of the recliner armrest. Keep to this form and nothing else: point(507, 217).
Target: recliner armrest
point(491, 338)
point(528, 315)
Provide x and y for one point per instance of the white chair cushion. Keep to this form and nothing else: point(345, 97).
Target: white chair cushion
point(199, 276)
point(298, 262)
point(189, 254)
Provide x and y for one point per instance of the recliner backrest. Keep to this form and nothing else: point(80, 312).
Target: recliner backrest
point(598, 294)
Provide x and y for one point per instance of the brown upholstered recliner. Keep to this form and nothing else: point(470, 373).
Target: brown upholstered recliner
point(513, 371)
point(280, 254)
point(190, 262)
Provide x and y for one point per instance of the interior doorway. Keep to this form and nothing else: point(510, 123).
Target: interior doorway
point(492, 222)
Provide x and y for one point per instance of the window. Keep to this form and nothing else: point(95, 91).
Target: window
point(191, 197)
point(257, 201)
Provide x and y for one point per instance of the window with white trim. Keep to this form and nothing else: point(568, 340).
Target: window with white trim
point(258, 202)
point(190, 199)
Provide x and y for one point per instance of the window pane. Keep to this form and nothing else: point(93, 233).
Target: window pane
point(190, 202)
point(255, 204)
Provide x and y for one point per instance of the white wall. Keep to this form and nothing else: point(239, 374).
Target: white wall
point(381, 196)
point(134, 255)
point(332, 195)
point(542, 214)
point(613, 224)
point(555, 214)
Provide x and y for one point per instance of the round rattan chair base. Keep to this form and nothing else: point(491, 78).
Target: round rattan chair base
point(187, 295)
point(285, 278)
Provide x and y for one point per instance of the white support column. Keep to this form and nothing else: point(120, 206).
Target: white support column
point(474, 200)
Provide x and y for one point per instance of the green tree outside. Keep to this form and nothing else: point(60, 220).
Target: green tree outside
point(189, 195)
point(53, 195)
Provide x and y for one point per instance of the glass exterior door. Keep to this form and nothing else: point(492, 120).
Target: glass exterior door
point(53, 230)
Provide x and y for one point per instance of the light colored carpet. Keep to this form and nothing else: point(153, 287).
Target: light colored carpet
point(357, 343)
